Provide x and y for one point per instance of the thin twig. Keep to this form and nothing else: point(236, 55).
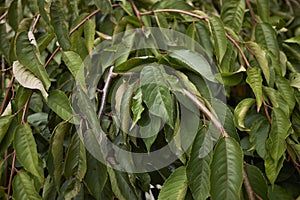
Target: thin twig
point(175, 11)
point(3, 71)
point(266, 106)
point(137, 12)
point(6, 94)
point(248, 186)
point(11, 174)
point(7, 69)
point(38, 17)
point(239, 48)
point(105, 90)
point(4, 15)
point(206, 112)
point(251, 11)
point(25, 108)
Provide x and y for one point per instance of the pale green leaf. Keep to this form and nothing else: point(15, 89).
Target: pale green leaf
point(23, 187)
point(26, 149)
point(295, 39)
point(198, 170)
point(4, 125)
point(232, 13)
point(58, 22)
point(89, 33)
point(75, 162)
point(137, 106)
point(273, 168)
point(27, 79)
point(103, 5)
point(219, 36)
point(195, 62)
point(226, 170)
point(175, 187)
point(240, 112)
point(254, 79)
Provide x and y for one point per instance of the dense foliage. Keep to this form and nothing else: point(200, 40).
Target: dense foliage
point(216, 82)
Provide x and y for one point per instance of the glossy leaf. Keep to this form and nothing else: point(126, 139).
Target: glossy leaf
point(75, 162)
point(60, 104)
point(28, 56)
point(27, 79)
point(278, 192)
point(240, 112)
point(23, 187)
point(263, 8)
point(59, 26)
point(219, 36)
point(273, 168)
point(194, 61)
point(26, 149)
point(198, 168)
point(175, 186)
point(258, 135)
point(137, 106)
point(4, 125)
point(226, 170)
point(286, 91)
point(254, 79)
point(232, 14)
point(103, 5)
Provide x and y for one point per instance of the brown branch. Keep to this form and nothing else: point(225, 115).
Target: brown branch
point(137, 12)
point(206, 112)
point(251, 11)
point(248, 186)
point(25, 108)
point(3, 16)
point(266, 106)
point(12, 170)
point(3, 71)
point(175, 11)
point(38, 17)
point(10, 85)
point(239, 48)
point(105, 90)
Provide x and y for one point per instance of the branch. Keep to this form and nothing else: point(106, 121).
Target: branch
point(137, 12)
point(3, 16)
point(105, 90)
point(248, 186)
point(6, 94)
point(251, 11)
point(175, 11)
point(206, 112)
point(12, 170)
point(38, 17)
point(25, 108)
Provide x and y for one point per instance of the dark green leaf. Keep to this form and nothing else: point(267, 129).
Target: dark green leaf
point(103, 5)
point(257, 181)
point(4, 125)
point(254, 79)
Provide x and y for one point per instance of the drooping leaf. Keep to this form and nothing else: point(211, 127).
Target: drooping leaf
point(156, 93)
point(254, 79)
point(60, 104)
point(89, 33)
point(286, 91)
point(28, 55)
point(226, 170)
point(260, 55)
point(57, 150)
point(15, 13)
point(96, 176)
point(258, 135)
point(232, 14)
point(198, 170)
point(195, 62)
point(103, 5)
point(240, 112)
point(49, 191)
point(137, 106)
point(59, 26)
point(75, 162)
point(175, 186)
point(23, 187)
point(263, 8)
point(4, 44)
point(265, 36)
point(4, 125)
point(121, 185)
point(219, 36)
point(278, 192)
point(273, 168)
point(27, 79)
point(26, 149)
point(257, 181)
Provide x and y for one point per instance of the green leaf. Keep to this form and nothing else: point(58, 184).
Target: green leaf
point(277, 192)
point(226, 170)
point(4, 44)
point(295, 39)
point(258, 135)
point(257, 181)
point(156, 93)
point(15, 13)
point(263, 9)
point(175, 187)
point(254, 79)
point(137, 106)
point(26, 149)
point(29, 56)
point(58, 22)
point(195, 62)
point(27, 79)
point(23, 187)
point(232, 14)
point(103, 5)
point(89, 33)
point(265, 36)
point(60, 104)
point(57, 150)
point(279, 131)
point(295, 80)
point(96, 176)
point(273, 168)
point(75, 163)
point(198, 167)
point(4, 125)
point(49, 191)
point(260, 55)
point(121, 185)
point(240, 112)
point(286, 91)
point(219, 36)
point(149, 129)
